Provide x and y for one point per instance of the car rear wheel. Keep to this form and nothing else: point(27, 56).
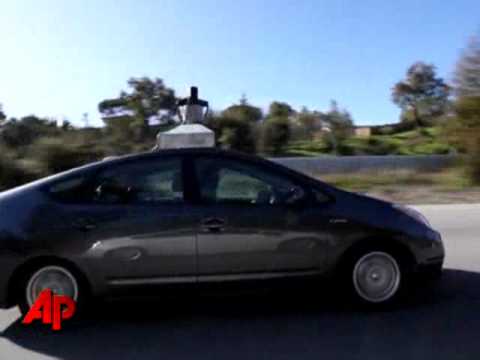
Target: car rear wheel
point(376, 277)
point(59, 279)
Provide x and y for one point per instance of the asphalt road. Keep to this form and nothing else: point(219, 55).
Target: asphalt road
point(440, 322)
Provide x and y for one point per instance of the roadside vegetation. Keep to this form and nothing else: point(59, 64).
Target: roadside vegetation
point(436, 118)
point(448, 186)
point(420, 141)
point(452, 179)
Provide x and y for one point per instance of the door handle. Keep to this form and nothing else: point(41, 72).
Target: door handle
point(213, 224)
point(84, 224)
point(338, 221)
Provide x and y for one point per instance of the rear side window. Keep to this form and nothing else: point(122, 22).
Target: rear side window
point(152, 181)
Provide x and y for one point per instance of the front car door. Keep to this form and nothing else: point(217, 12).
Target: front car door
point(246, 228)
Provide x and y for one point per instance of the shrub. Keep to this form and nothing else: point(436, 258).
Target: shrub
point(53, 155)
point(276, 134)
point(432, 148)
point(346, 148)
point(426, 132)
point(381, 146)
point(11, 174)
point(386, 130)
point(393, 128)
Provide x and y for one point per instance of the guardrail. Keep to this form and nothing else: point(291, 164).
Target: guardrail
point(353, 164)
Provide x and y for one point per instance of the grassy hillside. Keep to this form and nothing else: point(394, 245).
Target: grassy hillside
point(424, 141)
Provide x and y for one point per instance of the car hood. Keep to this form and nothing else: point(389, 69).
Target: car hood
point(374, 212)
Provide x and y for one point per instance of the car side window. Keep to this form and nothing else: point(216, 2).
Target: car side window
point(233, 181)
point(319, 197)
point(70, 190)
point(152, 181)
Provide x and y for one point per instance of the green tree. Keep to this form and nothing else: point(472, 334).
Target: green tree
point(3, 117)
point(280, 109)
point(276, 130)
point(147, 100)
point(467, 73)
point(421, 92)
point(243, 111)
point(468, 112)
point(233, 133)
point(339, 121)
point(464, 130)
point(308, 122)
point(276, 135)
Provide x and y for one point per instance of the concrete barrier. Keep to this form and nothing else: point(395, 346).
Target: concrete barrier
point(353, 164)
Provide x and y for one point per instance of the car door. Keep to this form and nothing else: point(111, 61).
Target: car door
point(139, 225)
point(246, 226)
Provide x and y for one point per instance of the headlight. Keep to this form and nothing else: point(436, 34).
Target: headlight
point(413, 214)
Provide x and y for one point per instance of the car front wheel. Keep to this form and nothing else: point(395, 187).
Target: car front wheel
point(376, 277)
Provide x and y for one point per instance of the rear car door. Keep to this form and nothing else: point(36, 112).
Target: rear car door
point(245, 226)
point(137, 223)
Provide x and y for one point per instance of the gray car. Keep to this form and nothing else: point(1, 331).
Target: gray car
point(200, 216)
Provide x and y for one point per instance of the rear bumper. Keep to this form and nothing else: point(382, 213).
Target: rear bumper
point(7, 267)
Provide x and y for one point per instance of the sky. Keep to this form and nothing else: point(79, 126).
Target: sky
point(61, 58)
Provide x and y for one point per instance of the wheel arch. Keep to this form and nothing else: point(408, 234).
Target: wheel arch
point(394, 247)
point(36, 262)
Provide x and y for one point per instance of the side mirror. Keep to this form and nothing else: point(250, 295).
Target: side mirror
point(295, 195)
point(112, 193)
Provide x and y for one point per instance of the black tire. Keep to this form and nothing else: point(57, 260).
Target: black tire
point(24, 301)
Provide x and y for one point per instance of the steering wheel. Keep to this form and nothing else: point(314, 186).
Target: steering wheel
point(266, 197)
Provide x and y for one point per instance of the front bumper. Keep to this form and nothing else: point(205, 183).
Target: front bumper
point(428, 248)
point(432, 256)
point(430, 271)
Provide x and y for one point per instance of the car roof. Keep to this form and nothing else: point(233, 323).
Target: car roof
point(141, 156)
point(183, 151)
point(232, 154)
point(95, 166)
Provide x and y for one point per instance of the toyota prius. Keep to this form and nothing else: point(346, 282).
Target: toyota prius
point(199, 216)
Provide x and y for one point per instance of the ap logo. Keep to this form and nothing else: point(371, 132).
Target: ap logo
point(51, 308)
